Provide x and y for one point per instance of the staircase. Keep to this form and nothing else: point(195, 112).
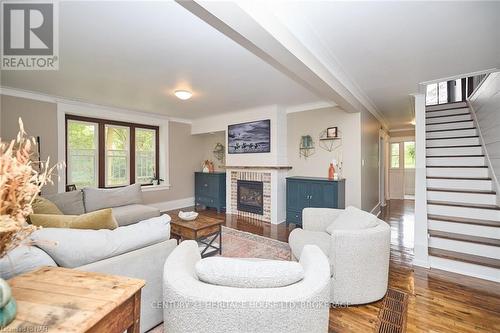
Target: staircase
point(463, 215)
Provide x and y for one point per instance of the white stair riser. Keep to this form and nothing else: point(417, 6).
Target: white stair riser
point(445, 106)
point(451, 134)
point(465, 229)
point(448, 119)
point(455, 161)
point(461, 184)
point(454, 151)
point(440, 127)
point(457, 197)
point(458, 172)
point(447, 112)
point(452, 142)
point(465, 268)
point(465, 247)
point(465, 212)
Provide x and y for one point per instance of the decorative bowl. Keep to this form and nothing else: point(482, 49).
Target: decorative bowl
point(188, 216)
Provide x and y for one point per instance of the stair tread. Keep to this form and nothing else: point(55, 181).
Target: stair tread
point(463, 220)
point(448, 122)
point(459, 178)
point(441, 156)
point(455, 137)
point(450, 129)
point(464, 238)
point(457, 204)
point(464, 146)
point(469, 258)
point(448, 115)
point(435, 189)
point(457, 166)
point(457, 105)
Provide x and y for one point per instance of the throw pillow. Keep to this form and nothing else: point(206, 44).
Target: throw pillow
point(70, 203)
point(101, 219)
point(42, 205)
point(248, 273)
point(352, 218)
point(99, 198)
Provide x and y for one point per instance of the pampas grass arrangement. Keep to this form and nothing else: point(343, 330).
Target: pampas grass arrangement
point(21, 179)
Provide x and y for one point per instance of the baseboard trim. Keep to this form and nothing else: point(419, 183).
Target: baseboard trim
point(173, 204)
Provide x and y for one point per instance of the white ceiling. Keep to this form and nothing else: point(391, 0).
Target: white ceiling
point(134, 54)
point(388, 48)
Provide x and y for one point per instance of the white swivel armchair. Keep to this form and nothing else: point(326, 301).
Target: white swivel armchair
point(195, 306)
point(357, 247)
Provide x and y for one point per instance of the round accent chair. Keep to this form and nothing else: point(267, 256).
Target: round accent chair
point(191, 305)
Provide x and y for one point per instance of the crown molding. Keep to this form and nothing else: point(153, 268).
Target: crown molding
point(4, 90)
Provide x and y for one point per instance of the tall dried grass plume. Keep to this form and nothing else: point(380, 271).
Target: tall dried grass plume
point(21, 180)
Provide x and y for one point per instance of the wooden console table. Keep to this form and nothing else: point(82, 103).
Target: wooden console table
point(55, 299)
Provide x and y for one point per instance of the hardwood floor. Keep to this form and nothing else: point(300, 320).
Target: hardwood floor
point(439, 301)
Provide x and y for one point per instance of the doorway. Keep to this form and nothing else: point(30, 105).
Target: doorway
point(402, 168)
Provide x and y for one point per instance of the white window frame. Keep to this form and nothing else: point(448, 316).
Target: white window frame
point(154, 149)
point(96, 150)
point(127, 144)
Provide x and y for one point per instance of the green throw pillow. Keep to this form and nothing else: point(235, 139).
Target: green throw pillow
point(100, 219)
point(43, 206)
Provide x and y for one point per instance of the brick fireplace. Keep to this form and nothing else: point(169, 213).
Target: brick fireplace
point(243, 192)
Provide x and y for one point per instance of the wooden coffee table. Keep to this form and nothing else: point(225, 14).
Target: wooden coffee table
point(205, 230)
point(55, 299)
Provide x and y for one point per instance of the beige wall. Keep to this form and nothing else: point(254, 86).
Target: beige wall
point(370, 128)
point(39, 118)
point(208, 142)
point(313, 123)
point(187, 153)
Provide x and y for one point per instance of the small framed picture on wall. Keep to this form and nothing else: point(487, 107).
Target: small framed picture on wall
point(332, 132)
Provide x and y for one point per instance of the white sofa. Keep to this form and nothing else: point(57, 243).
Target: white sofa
point(358, 254)
point(191, 305)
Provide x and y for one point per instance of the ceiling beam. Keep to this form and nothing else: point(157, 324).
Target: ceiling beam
point(261, 33)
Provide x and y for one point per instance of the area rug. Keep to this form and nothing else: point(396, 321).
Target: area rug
point(242, 244)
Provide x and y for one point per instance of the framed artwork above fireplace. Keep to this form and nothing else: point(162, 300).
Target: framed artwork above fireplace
point(251, 137)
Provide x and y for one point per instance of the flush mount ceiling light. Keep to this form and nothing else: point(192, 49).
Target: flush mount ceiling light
point(183, 94)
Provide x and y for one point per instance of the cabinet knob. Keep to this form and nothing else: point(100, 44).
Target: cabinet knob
point(206, 185)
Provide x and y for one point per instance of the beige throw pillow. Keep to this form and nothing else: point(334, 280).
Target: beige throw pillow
point(101, 219)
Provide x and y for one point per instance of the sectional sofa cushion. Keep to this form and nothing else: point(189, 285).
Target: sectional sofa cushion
point(248, 273)
point(353, 218)
point(23, 259)
point(77, 247)
point(70, 203)
point(98, 198)
point(126, 215)
point(42, 205)
point(100, 219)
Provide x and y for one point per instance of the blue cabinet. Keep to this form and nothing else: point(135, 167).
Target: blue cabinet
point(302, 192)
point(210, 190)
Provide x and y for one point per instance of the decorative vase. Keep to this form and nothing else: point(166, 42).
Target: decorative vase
point(8, 307)
point(331, 172)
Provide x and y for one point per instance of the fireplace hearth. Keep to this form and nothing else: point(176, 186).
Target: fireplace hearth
point(250, 196)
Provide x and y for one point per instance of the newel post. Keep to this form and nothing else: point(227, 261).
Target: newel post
point(421, 234)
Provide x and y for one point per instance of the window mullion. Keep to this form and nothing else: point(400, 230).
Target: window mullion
point(102, 155)
point(132, 155)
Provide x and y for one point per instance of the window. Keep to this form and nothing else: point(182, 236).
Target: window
point(117, 155)
point(395, 155)
point(82, 153)
point(104, 153)
point(145, 155)
point(409, 148)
